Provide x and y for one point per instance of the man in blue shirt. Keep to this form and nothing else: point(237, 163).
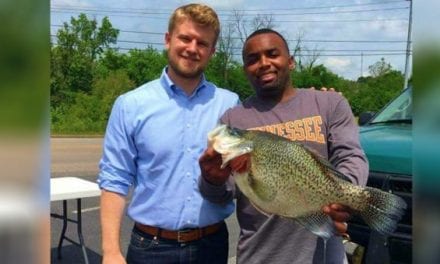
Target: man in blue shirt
point(153, 140)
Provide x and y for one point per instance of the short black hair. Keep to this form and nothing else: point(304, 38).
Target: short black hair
point(264, 31)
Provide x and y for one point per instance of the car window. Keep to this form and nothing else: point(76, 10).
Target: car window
point(399, 109)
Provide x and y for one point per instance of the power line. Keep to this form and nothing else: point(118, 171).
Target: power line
point(244, 14)
point(303, 53)
point(169, 10)
point(289, 40)
point(322, 7)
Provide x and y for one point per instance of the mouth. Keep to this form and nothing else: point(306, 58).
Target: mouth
point(230, 147)
point(267, 77)
point(190, 58)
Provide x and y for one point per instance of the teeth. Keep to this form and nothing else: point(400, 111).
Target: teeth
point(267, 76)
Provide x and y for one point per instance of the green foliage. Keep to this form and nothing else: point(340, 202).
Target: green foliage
point(73, 58)
point(145, 65)
point(379, 68)
point(317, 76)
point(228, 75)
point(89, 112)
point(375, 92)
point(87, 76)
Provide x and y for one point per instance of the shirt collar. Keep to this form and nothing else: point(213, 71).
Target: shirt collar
point(172, 89)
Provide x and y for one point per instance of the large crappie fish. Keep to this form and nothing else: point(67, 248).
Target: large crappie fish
point(288, 180)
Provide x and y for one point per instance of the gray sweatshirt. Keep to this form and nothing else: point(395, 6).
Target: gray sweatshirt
point(323, 122)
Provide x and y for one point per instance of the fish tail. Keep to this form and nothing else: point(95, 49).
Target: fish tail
point(383, 210)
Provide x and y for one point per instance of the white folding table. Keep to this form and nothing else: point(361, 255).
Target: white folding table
point(67, 188)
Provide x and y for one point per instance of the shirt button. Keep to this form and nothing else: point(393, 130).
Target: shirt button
point(188, 221)
point(188, 198)
point(188, 149)
point(188, 125)
point(188, 174)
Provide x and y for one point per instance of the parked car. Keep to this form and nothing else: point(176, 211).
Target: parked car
point(386, 138)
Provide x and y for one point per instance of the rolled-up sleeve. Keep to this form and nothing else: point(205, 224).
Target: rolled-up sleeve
point(118, 163)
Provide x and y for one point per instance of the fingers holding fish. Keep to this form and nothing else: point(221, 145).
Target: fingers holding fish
point(337, 212)
point(210, 166)
point(241, 164)
point(340, 214)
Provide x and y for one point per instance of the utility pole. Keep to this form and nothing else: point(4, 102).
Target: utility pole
point(408, 46)
point(362, 64)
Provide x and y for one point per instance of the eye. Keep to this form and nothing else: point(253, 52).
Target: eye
point(235, 132)
point(251, 59)
point(185, 39)
point(203, 44)
point(273, 53)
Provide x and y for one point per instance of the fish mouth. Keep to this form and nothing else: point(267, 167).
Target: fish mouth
point(228, 143)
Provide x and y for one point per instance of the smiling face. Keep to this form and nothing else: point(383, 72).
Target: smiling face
point(190, 46)
point(267, 64)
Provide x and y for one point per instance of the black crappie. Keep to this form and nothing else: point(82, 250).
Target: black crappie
point(289, 180)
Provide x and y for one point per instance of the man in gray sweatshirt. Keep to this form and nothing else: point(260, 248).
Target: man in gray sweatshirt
point(322, 121)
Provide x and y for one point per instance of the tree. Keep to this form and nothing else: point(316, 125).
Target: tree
point(88, 113)
point(379, 68)
point(243, 27)
point(73, 56)
point(378, 89)
point(145, 65)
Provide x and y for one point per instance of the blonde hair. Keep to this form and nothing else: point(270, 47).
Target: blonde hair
point(199, 13)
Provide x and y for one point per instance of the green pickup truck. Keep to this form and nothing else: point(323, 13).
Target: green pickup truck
point(386, 138)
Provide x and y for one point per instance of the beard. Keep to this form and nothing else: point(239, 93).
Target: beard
point(272, 90)
point(185, 71)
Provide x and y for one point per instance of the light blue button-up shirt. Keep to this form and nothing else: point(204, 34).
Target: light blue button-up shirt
point(154, 138)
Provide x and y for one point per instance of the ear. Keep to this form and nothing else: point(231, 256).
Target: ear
point(212, 51)
point(167, 40)
point(292, 63)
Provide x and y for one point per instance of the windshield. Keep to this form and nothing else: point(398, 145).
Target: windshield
point(399, 110)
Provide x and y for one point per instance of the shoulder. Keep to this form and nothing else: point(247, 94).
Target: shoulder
point(320, 95)
point(323, 98)
point(141, 93)
point(239, 113)
point(222, 92)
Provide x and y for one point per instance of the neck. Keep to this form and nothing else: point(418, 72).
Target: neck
point(288, 93)
point(281, 97)
point(188, 84)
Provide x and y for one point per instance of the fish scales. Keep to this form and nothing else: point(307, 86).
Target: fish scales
point(294, 175)
point(291, 181)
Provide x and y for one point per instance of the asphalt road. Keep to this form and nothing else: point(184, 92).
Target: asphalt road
point(79, 157)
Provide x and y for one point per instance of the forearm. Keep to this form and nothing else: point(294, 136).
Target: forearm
point(345, 151)
point(220, 194)
point(112, 208)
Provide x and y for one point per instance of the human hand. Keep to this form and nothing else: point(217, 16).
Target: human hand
point(340, 214)
point(115, 258)
point(241, 163)
point(324, 89)
point(210, 165)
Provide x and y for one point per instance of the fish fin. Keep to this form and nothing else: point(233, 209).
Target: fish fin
point(384, 210)
point(318, 223)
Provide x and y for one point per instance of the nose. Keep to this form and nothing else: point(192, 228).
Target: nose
point(192, 46)
point(264, 61)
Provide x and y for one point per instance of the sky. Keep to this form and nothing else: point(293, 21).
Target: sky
point(347, 35)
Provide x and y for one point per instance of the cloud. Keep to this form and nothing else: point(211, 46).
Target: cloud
point(225, 4)
point(391, 29)
point(338, 64)
point(341, 66)
point(72, 3)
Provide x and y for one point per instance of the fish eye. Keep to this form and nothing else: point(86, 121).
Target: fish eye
point(235, 132)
